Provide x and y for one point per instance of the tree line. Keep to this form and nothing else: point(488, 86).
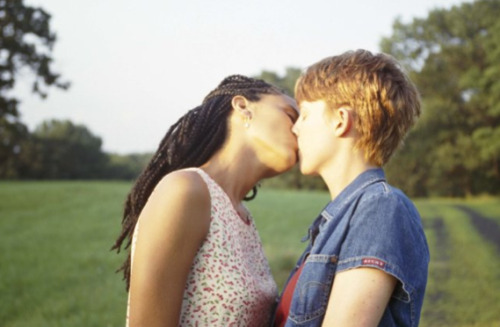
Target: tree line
point(452, 55)
point(60, 149)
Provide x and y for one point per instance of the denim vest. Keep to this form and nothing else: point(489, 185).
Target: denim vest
point(369, 224)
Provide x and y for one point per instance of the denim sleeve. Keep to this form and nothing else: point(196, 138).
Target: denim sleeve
point(385, 232)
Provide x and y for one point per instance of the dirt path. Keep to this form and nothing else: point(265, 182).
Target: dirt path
point(487, 228)
point(441, 272)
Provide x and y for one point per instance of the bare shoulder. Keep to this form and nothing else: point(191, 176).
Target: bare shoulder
point(174, 223)
point(185, 182)
point(180, 195)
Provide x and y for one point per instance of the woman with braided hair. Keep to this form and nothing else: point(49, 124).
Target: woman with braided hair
point(195, 256)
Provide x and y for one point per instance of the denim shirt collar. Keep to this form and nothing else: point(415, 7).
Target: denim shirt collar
point(357, 185)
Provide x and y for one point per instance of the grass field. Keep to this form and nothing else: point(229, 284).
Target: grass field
point(56, 268)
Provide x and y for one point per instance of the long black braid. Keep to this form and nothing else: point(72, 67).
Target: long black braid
point(190, 142)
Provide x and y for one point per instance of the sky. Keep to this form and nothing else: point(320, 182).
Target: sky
point(138, 66)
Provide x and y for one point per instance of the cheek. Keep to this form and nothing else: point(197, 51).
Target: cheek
point(313, 140)
point(308, 134)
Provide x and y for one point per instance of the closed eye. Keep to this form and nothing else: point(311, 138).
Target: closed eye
point(292, 114)
point(293, 118)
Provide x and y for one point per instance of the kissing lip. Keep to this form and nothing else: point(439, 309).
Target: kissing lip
point(297, 156)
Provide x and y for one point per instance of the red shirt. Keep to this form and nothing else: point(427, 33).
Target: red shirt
point(286, 299)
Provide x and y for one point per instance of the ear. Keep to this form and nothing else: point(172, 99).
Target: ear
point(342, 121)
point(240, 106)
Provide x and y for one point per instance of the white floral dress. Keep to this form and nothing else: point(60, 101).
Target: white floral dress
point(230, 283)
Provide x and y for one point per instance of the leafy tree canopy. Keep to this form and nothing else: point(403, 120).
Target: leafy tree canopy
point(26, 42)
point(67, 151)
point(452, 55)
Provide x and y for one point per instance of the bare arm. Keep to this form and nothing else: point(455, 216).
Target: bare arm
point(359, 297)
point(173, 225)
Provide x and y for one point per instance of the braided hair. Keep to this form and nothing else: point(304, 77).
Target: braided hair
point(190, 142)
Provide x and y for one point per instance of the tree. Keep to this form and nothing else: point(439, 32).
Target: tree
point(452, 55)
point(63, 150)
point(26, 41)
point(127, 167)
point(286, 82)
point(14, 142)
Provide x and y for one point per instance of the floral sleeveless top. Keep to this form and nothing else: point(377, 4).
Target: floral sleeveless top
point(230, 283)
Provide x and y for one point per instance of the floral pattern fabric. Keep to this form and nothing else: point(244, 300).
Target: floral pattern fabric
point(230, 283)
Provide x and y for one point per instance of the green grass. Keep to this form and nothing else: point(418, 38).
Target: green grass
point(56, 268)
point(55, 265)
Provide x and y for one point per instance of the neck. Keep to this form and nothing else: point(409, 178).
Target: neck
point(236, 171)
point(345, 170)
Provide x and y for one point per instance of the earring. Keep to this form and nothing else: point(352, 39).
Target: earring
point(248, 117)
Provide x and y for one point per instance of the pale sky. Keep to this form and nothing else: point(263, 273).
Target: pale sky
point(137, 66)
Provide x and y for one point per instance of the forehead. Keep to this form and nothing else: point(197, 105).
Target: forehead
point(312, 105)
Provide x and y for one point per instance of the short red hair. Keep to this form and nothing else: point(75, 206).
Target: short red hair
point(386, 104)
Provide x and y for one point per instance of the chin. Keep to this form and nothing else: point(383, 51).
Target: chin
point(281, 167)
point(292, 161)
point(307, 170)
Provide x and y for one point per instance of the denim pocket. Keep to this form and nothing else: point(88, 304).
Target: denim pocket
point(313, 288)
